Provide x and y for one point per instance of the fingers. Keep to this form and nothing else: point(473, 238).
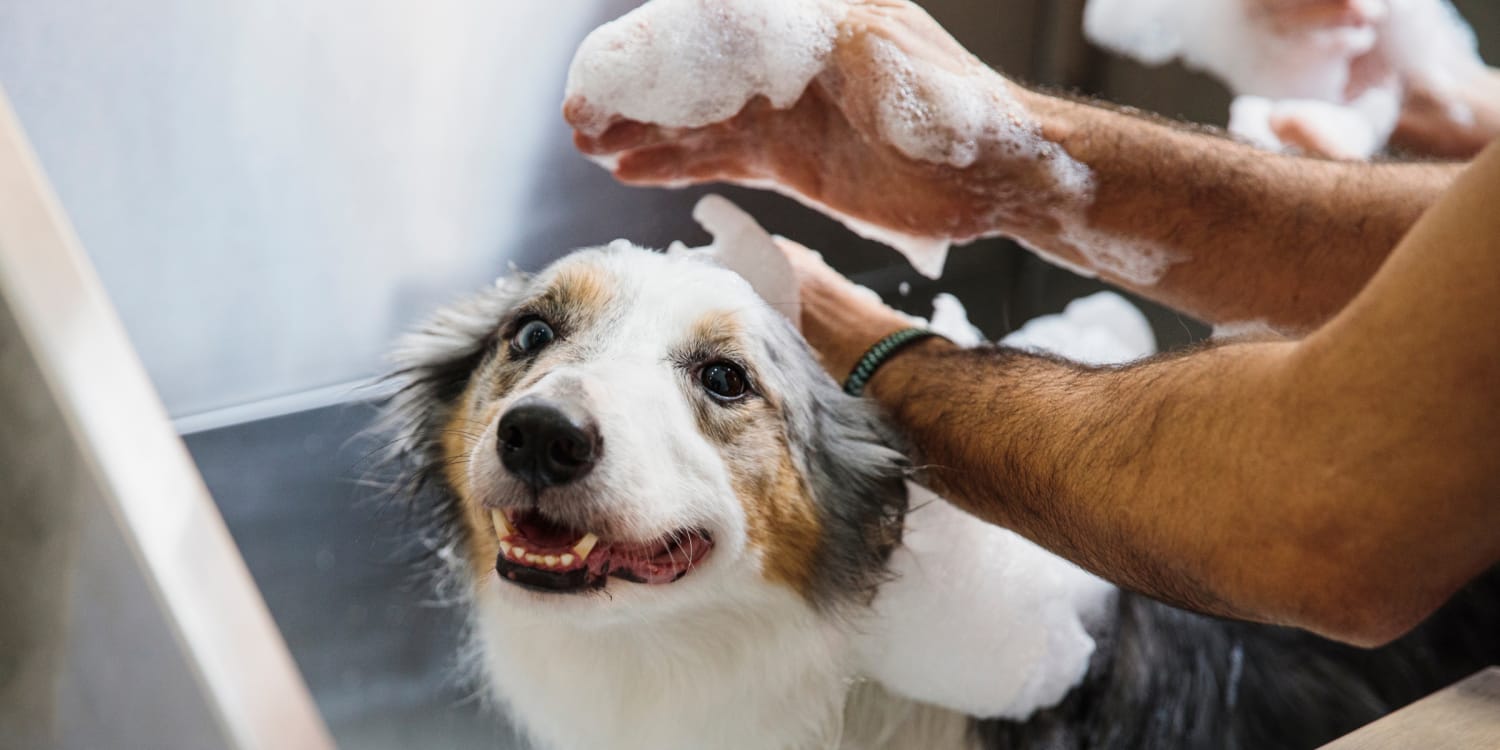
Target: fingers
point(1309, 137)
point(692, 160)
point(1289, 16)
point(623, 135)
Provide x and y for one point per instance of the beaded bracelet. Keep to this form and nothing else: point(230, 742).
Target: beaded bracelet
point(879, 353)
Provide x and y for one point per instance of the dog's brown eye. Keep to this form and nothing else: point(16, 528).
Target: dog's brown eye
point(724, 380)
point(534, 335)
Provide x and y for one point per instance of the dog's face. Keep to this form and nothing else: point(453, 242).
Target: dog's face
point(639, 431)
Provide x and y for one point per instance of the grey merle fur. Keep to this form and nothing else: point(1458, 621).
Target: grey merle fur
point(856, 477)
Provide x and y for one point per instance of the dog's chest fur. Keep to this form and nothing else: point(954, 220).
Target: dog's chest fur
point(766, 674)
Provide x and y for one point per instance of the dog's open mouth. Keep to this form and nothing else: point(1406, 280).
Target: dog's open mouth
point(539, 553)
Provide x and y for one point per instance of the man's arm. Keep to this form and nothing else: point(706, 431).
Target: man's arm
point(1252, 236)
point(1258, 237)
point(1347, 484)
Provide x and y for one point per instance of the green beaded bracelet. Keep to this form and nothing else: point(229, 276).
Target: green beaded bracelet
point(879, 353)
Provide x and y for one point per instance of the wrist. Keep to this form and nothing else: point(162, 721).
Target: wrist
point(890, 383)
point(1057, 119)
point(842, 350)
point(1029, 184)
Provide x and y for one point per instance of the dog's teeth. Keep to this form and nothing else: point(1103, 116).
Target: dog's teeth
point(502, 526)
point(567, 559)
point(504, 546)
point(551, 560)
point(585, 545)
point(534, 559)
point(518, 552)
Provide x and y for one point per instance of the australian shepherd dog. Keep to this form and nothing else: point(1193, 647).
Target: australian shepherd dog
point(672, 530)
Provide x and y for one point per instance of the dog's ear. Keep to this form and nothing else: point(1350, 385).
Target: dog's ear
point(444, 348)
point(742, 246)
point(859, 484)
point(432, 367)
point(854, 471)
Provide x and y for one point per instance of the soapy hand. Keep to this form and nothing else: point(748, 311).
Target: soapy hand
point(901, 128)
point(1446, 105)
point(1335, 78)
point(1420, 50)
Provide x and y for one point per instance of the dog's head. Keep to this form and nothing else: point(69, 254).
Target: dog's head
point(632, 430)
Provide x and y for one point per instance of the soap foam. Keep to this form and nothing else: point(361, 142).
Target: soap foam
point(1432, 44)
point(689, 63)
point(933, 114)
point(976, 618)
point(1425, 42)
point(1102, 328)
point(950, 319)
point(1136, 261)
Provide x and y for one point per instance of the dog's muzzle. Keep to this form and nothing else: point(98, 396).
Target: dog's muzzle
point(547, 443)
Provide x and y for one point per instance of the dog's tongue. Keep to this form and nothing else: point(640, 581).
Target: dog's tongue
point(656, 563)
point(742, 246)
point(542, 534)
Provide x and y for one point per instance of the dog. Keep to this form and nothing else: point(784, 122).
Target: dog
point(671, 529)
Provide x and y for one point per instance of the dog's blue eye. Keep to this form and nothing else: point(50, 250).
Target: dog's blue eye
point(724, 380)
point(534, 335)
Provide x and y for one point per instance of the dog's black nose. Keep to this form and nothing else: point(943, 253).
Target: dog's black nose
point(544, 445)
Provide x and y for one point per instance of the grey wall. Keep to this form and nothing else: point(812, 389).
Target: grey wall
point(271, 188)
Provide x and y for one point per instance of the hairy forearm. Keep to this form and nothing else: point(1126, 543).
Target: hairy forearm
point(1190, 478)
point(1111, 468)
point(1249, 236)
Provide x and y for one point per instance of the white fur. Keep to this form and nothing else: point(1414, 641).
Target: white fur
point(979, 621)
point(722, 658)
point(746, 665)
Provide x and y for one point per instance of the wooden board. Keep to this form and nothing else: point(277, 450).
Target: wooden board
point(1465, 715)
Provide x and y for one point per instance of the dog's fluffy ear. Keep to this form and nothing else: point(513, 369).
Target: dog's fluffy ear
point(432, 366)
point(742, 246)
point(854, 473)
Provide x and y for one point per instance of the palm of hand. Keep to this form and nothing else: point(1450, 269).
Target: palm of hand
point(830, 147)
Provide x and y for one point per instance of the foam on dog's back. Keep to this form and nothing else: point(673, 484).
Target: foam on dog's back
point(977, 618)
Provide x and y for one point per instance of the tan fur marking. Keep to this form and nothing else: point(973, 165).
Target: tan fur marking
point(462, 433)
point(781, 519)
point(717, 330)
point(580, 292)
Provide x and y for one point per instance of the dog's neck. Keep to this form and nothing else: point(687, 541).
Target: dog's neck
point(763, 671)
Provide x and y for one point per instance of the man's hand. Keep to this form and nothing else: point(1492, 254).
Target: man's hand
point(832, 148)
point(1452, 119)
point(840, 320)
